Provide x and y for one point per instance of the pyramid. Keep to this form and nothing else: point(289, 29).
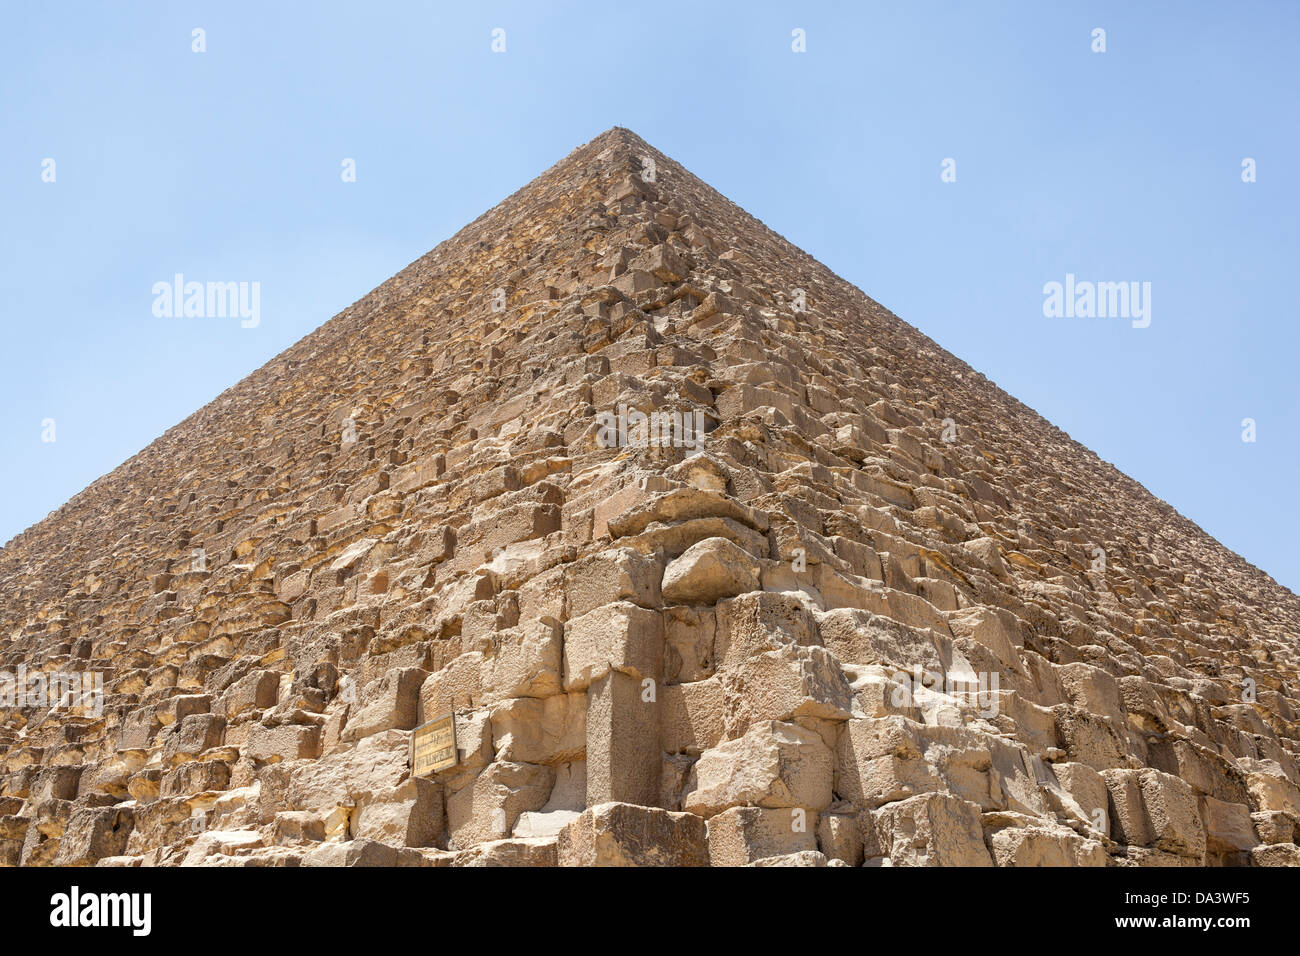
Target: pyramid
point(617, 530)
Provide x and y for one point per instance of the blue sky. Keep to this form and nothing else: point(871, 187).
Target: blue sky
point(1115, 166)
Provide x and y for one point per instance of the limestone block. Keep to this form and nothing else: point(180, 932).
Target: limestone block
point(1273, 791)
point(457, 686)
point(802, 858)
point(1087, 792)
point(932, 829)
point(1045, 846)
point(1275, 854)
point(617, 637)
point(693, 716)
point(515, 852)
point(774, 765)
point(857, 636)
point(619, 574)
point(543, 823)
point(139, 729)
point(663, 261)
point(488, 808)
point(621, 834)
point(1089, 738)
point(410, 815)
point(180, 706)
point(839, 836)
point(880, 760)
point(351, 853)
point(1274, 826)
point(160, 823)
point(624, 749)
point(295, 827)
point(111, 776)
point(783, 684)
point(1092, 689)
point(1155, 809)
point(708, 571)
point(256, 690)
point(570, 790)
point(393, 704)
point(92, 833)
point(992, 628)
point(1229, 830)
point(374, 765)
point(547, 730)
point(54, 783)
point(525, 662)
point(196, 776)
point(191, 736)
point(1172, 814)
point(744, 835)
point(761, 621)
point(1128, 823)
point(286, 742)
point(688, 644)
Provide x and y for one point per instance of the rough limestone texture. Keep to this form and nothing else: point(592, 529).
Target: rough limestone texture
point(882, 614)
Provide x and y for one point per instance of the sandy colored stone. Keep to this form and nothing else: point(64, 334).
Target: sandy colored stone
point(620, 834)
point(756, 648)
point(709, 570)
point(774, 765)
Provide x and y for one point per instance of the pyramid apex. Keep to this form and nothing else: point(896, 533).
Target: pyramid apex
point(620, 134)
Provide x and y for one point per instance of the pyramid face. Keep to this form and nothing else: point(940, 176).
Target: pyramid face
point(618, 530)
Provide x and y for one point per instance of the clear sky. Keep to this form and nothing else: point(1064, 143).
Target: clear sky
point(1122, 166)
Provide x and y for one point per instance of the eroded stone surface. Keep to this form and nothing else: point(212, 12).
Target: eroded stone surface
point(839, 632)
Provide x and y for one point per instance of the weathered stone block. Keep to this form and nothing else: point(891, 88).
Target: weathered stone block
point(488, 807)
point(688, 644)
point(546, 730)
point(932, 829)
point(839, 837)
point(787, 683)
point(93, 833)
point(761, 621)
point(286, 742)
point(1092, 689)
point(709, 570)
point(1229, 830)
point(774, 765)
point(857, 636)
point(607, 577)
point(255, 691)
point(623, 741)
point(743, 835)
point(525, 661)
point(1045, 846)
point(620, 637)
point(621, 834)
point(410, 815)
point(879, 760)
point(694, 716)
point(392, 704)
point(191, 736)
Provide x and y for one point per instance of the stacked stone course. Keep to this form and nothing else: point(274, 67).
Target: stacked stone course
point(751, 652)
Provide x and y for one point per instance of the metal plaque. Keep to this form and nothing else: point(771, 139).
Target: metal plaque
point(433, 746)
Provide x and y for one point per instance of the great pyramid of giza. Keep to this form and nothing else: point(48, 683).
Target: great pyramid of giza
point(618, 530)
